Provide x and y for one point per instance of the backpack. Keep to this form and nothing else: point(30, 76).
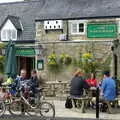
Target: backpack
point(68, 103)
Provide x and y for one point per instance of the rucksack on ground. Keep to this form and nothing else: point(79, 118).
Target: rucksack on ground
point(68, 103)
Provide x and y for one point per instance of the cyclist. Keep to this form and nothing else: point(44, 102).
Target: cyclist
point(19, 84)
point(34, 84)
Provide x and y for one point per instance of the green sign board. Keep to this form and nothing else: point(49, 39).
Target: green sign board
point(102, 30)
point(25, 52)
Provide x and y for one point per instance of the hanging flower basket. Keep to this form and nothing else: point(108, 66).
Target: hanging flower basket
point(87, 56)
point(52, 64)
point(89, 63)
point(65, 59)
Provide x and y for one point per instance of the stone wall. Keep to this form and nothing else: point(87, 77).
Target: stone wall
point(102, 50)
point(116, 63)
point(53, 35)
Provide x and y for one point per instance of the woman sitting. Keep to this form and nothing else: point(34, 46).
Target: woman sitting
point(78, 84)
point(92, 80)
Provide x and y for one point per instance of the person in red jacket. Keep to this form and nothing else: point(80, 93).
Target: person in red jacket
point(92, 81)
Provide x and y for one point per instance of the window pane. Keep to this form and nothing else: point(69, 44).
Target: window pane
point(4, 34)
point(74, 28)
point(13, 34)
point(8, 34)
point(81, 27)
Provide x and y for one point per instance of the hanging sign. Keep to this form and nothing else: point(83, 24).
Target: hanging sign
point(40, 64)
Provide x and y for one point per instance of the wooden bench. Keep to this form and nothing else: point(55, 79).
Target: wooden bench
point(81, 102)
point(111, 103)
point(116, 101)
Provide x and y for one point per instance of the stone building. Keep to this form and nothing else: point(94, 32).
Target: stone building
point(84, 23)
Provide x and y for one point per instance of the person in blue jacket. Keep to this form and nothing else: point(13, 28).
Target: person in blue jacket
point(108, 89)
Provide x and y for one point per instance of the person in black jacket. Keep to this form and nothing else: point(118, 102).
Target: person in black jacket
point(34, 82)
point(78, 84)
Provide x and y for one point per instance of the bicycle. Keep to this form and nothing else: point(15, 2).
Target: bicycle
point(42, 108)
point(5, 100)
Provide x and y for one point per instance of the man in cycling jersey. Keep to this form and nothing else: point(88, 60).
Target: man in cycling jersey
point(19, 81)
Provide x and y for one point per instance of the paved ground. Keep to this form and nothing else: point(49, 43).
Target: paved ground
point(61, 111)
point(68, 114)
point(7, 117)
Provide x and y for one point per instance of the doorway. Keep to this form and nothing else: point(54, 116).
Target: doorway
point(27, 63)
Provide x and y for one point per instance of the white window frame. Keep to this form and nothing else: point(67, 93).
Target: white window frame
point(15, 32)
point(3, 35)
point(6, 38)
point(118, 21)
point(9, 28)
point(78, 22)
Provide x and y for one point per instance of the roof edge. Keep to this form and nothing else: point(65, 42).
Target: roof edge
point(18, 2)
point(22, 41)
point(75, 18)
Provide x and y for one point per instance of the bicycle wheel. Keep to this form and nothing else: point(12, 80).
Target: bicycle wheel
point(47, 110)
point(2, 108)
point(15, 108)
point(31, 111)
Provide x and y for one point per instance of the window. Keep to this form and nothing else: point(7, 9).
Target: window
point(81, 27)
point(74, 28)
point(78, 27)
point(4, 34)
point(13, 34)
point(8, 34)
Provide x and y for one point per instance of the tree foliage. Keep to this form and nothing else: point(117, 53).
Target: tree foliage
point(2, 58)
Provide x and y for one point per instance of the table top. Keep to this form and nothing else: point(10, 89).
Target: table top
point(93, 88)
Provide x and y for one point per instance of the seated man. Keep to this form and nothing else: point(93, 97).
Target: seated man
point(108, 90)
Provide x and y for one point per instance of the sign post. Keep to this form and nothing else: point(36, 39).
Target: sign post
point(97, 102)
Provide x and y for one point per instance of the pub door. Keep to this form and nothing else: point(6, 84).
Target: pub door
point(27, 63)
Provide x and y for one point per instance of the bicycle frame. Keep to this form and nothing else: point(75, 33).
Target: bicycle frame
point(27, 102)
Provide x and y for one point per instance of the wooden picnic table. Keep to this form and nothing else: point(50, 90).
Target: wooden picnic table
point(85, 99)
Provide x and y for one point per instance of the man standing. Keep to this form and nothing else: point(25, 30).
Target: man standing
point(19, 81)
point(108, 90)
point(34, 82)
